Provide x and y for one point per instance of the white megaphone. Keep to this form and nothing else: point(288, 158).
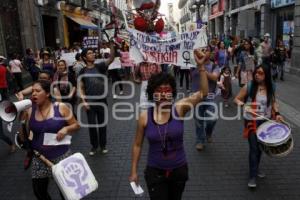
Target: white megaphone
point(10, 110)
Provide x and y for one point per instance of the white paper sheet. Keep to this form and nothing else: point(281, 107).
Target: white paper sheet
point(137, 189)
point(50, 139)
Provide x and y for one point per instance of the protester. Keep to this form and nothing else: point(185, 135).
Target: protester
point(204, 126)
point(3, 79)
point(64, 84)
point(4, 96)
point(279, 57)
point(46, 116)
point(126, 62)
point(30, 64)
point(15, 68)
point(222, 55)
point(93, 97)
point(266, 50)
point(225, 85)
point(114, 69)
point(260, 93)
point(78, 65)
point(46, 63)
point(166, 172)
point(246, 63)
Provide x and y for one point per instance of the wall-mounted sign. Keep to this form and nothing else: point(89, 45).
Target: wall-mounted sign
point(281, 3)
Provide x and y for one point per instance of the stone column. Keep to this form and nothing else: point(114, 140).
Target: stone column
point(2, 41)
point(265, 26)
point(295, 64)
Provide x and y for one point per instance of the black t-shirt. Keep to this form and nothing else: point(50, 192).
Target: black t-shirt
point(93, 85)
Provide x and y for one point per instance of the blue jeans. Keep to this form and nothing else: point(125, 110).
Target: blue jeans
point(254, 155)
point(204, 125)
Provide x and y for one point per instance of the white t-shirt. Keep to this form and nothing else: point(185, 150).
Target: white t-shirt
point(15, 66)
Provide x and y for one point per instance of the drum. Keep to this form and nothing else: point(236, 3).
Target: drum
point(275, 139)
point(74, 177)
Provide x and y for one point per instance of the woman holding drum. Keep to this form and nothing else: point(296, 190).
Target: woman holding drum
point(259, 96)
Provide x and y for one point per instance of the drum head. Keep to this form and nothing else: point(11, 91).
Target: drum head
point(273, 133)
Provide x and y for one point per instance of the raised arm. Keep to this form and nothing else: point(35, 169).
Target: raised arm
point(112, 54)
point(27, 91)
point(185, 105)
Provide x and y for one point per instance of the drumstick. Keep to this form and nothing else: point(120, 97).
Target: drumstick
point(265, 118)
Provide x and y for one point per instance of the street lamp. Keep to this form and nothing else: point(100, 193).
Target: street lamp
point(199, 7)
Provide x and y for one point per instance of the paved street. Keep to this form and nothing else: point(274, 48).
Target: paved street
point(220, 172)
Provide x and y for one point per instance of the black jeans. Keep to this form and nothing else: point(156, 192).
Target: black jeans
point(94, 114)
point(3, 137)
point(164, 184)
point(185, 73)
point(115, 76)
point(19, 81)
point(40, 189)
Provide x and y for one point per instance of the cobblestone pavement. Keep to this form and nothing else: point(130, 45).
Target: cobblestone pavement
point(219, 172)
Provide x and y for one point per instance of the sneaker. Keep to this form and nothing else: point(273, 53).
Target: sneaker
point(115, 96)
point(252, 183)
point(121, 92)
point(104, 151)
point(261, 175)
point(209, 139)
point(199, 147)
point(92, 151)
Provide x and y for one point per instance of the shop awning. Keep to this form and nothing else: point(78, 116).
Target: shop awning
point(84, 23)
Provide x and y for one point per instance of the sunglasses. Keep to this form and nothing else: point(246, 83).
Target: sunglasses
point(164, 90)
point(260, 73)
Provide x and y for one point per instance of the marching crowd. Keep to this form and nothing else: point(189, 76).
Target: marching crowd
point(256, 65)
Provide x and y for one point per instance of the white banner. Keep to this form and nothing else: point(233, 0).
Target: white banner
point(174, 50)
point(69, 58)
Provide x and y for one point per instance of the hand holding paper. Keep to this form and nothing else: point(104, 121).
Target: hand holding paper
point(137, 189)
point(50, 139)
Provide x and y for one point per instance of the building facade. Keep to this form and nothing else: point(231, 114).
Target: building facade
point(185, 16)
point(10, 33)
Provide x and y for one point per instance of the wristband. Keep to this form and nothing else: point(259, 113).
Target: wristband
point(277, 113)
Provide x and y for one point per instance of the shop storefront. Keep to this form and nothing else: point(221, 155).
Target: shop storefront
point(283, 18)
point(77, 25)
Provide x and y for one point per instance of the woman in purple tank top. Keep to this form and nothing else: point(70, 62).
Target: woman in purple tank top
point(47, 117)
point(166, 171)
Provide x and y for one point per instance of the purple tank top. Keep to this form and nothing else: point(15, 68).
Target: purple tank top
point(173, 155)
point(39, 128)
point(48, 67)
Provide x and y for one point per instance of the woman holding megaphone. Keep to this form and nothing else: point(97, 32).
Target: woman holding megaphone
point(49, 117)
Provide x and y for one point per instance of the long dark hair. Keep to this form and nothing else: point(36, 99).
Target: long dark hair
point(268, 83)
